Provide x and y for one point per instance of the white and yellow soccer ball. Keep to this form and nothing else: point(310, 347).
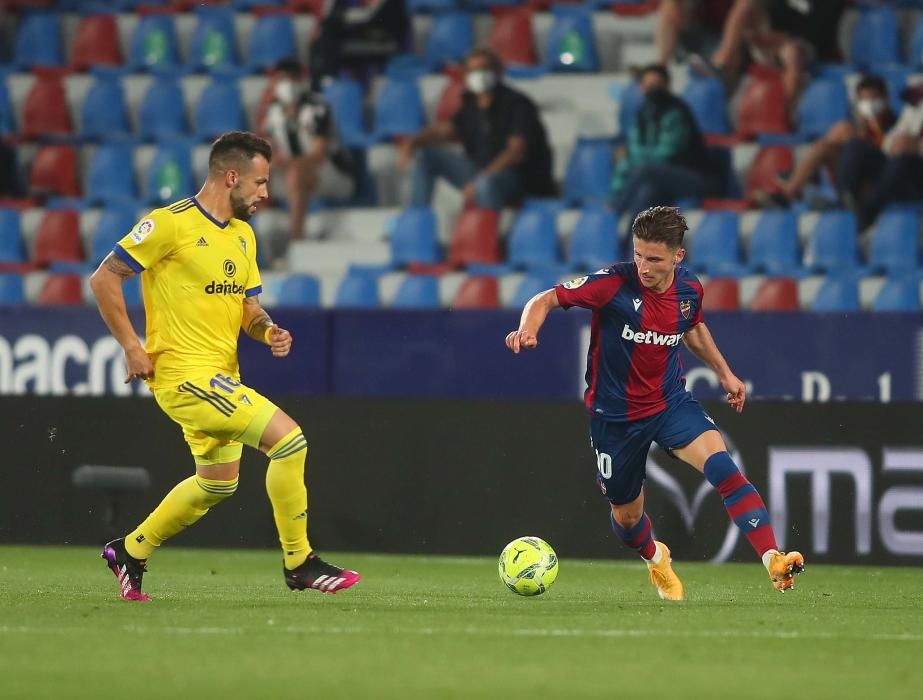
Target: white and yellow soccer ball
point(528, 566)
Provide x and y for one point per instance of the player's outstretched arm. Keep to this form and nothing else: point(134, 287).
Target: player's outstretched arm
point(257, 324)
point(106, 284)
point(700, 342)
point(534, 314)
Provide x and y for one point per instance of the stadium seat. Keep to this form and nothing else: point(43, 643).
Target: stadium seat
point(417, 292)
point(629, 102)
point(54, 172)
point(96, 42)
point(450, 100)
point(398, 109)
point(594, 241)
point(475, 238)
point(219, 110)
point(153, 42)
point(169, 176)
point(511, 36)
point(533, 240)
point(58, 238)
point(589, 172)
point(110, 177)
point(114, 223)
point(345, 98)
point(774, 243)
point(358, 290)
point(103, 112)
point(715, 247)
point(570, 45)
point(45, 111)
point(11, 290)
point(214, 44)
point(898, 294)
point(298, 290)
point(776, 294)
point(271, 39)
point(770, 163)
point(7, 120)
point(763, 107)
point(450, 39)
point(251, 4)
point(833, 245)
point(823, 104)
point(706, 98)
point(61, 290)
point(421, 6)
point(895, 242)
point(875, 40)
point(162, 112)
point(721, 294)
point(38, 41)
point(414, 238)
point(531, 285)
point(477, 292)
point(11, 248)
point(837, 293)
point(915, 57)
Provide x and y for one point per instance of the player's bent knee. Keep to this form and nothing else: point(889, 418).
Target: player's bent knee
point(216, 490)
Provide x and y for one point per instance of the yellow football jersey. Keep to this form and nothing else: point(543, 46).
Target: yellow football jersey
point(195, 273)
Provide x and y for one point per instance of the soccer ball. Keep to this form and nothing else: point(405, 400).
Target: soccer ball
point(528, 566)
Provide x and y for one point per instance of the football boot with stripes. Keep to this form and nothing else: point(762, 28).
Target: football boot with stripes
point(128, 570)
point(317, 574)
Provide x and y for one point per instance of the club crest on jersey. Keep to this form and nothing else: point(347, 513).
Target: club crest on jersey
point(230, 269)
point(142, 230)
point(573, 284)
point(243, 244)
point(685, 308)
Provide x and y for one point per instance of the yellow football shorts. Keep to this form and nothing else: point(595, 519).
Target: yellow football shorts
point(218, 415)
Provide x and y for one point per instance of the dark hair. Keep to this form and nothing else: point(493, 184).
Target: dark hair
point(660, 225)
point(493, 60)
point(872, 82)
point(235, 149)
point(288, 66)
point(657, 68)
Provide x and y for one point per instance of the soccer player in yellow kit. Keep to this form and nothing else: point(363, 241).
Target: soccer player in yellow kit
point(201, 286)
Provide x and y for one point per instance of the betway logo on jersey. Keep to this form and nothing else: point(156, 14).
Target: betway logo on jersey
point(226, 287)
point(651, 337)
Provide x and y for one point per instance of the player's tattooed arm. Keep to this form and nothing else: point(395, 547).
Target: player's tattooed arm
point(118, 266)
point(256, 322)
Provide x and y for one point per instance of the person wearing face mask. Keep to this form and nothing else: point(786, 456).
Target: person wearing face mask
point(849, 149)
point(299, 123)
point(506, 156)
point(665, 159)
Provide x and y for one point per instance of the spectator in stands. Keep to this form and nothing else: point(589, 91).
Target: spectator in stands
point(850, 150)
point(306, 147)
point(690, 26)
point(666, 159)
point(506, 153)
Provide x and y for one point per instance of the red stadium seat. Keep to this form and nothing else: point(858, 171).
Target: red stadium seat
point(776, 294)
point(478, 293)
point(45, 109)
point(54, 172)
point(763, 105)
point(511, 35)
point(721, 294)
point(766, 168)
point(58, 238)
point(451, 98)
point(96, 43)
point(61, 290)
point(475, 238)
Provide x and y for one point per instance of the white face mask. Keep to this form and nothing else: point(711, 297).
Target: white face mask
point(870, 108)
point(480, 81)
point(285, 91)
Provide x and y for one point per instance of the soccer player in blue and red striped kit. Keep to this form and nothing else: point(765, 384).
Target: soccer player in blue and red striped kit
point(636, 393)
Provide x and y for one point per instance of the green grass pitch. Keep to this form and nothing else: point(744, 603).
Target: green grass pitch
point(223, 625)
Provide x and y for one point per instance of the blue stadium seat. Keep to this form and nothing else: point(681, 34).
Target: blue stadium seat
point(250, 4)
point(629, 99)
point(898, 294)
point(214, 44)
point(450, 39)
point(915, 57)
point(345, 99)
point(706, 98)
point(7, 121)
point(103, 113)
point(153, 43)
point(414, 238)
point(169, 176)
point(875, 39)
point(110, 175)
point(531, 285)
point(715, 247)
point(533, 240)
point(418, 6)
point(823, 104)
point(837, 293)
point(219, 109)
point(162, 112)
point(594, 241)
point(418, 292)
point(271, 39)
point(398, 109)
point(570, 45)
point(11, 290)
point(774, 243)
point(358, 290)
point(11, 248)
point(833, 244)
point(131, 290)
point(895, 243)
point(115, 221)
point(38, 41)
point(589, 172)
point(298, 290)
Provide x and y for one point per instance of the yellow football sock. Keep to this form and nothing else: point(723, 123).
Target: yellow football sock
point(185, 504)
point(289, 497)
